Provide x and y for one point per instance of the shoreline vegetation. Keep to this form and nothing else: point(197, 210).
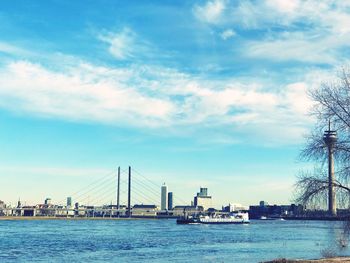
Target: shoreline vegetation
point(322, 260)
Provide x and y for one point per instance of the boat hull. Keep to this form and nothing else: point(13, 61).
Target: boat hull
point(187, 221)
point(223, 223)
point(182, 221)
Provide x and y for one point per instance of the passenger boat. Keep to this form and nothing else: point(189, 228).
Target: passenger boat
point(232, 218)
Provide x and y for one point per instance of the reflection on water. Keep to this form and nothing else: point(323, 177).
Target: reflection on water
point(163, 240)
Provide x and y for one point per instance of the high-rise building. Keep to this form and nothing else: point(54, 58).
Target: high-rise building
point(202, 199)
point(263, 203)
point(48, 201)
point(164, 197)
point(203, 192)
point(170, 201)
point(69, 201)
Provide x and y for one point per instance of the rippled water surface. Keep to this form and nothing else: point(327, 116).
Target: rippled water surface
point(164, 241)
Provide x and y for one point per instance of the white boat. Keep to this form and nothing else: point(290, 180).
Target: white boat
point(232, 218)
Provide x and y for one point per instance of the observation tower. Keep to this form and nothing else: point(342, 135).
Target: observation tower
point(330, 139)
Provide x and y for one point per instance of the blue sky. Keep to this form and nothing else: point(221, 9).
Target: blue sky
point(192, 93)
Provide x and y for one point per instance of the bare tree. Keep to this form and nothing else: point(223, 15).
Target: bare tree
point(313, 189)
point(332, 102)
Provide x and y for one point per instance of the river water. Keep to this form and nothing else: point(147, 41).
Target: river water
point(164, 241)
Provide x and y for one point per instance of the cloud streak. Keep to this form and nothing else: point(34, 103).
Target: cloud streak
point(178, 101)
point(289, 31)
point(125, 44)
point(228, 33)
point(82, 93)
point(210, 12)
point(152, 98)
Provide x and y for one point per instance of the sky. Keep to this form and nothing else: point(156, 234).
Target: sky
point(191, 93)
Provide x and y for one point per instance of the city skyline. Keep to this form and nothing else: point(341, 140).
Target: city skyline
point(86, 198)
point(194, 93)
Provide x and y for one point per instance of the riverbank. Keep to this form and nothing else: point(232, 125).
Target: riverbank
point(322, 260)
point(66, 218)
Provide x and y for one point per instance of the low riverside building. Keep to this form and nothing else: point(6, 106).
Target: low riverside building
point(45, 210)
point(106, 211)
point(265, 210)
point(144, 210)
point(181, 210)
point(122, 210)
point(64, 211)
point(234, 207)
point(51, 210)
point(2, 208)
point(113, 209)
point(28, 211)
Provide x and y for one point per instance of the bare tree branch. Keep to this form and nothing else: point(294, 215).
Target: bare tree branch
point(332, 102)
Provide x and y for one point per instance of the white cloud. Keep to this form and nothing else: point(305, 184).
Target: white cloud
point(228, 33)
point(210, 12)
point(315, 14)
point(157, 98)
point(284, 6)
point(120, 44)
point(83, 93)
point(312, 31)
point(12, 49)
point(125, 44)
point(295, 47)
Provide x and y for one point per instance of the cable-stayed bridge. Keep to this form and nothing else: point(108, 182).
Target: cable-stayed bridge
point(104, 190)
point(119, 193)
